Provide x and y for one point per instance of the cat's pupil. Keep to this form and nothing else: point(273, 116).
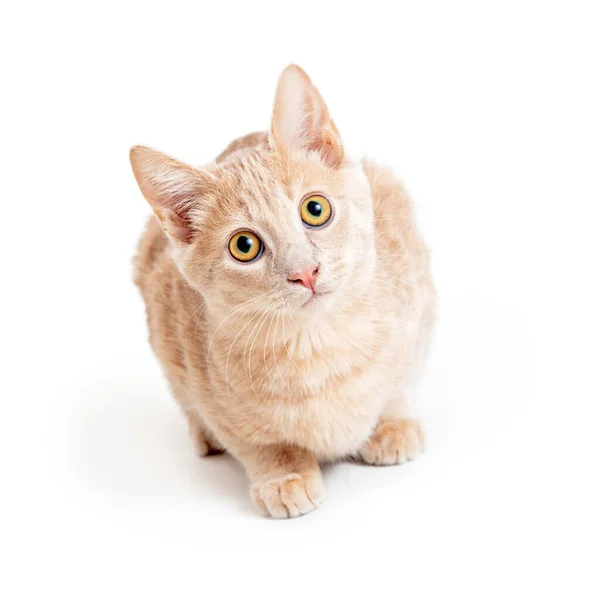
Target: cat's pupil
point(244, 244)
point(314, 208)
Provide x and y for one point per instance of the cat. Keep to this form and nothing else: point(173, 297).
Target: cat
point(289, 300)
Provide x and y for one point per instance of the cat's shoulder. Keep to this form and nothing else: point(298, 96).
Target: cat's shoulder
point(152, 253)
point(387, 190)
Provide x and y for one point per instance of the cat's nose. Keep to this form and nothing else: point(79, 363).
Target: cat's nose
point(307, 278)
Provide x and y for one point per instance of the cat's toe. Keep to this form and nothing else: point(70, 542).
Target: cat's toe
point(394, 443)
point(289, 495)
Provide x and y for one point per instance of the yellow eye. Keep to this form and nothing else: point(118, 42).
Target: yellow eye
point(245, 246)
point(315, 211)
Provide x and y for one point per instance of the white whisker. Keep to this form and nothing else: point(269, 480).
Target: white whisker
point(192, 315)
point(231, 348)
point(265, 349)
point(233, 312)
point(285, 345)
point(273, 350)
point(380, 276)
point(263, 321)
point(262, 313)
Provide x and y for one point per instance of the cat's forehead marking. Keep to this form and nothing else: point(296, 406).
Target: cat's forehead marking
point(260, 191)
point(252, 187)
point(250, 181)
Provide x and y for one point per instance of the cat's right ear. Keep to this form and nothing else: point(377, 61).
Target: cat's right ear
point(172, 188)
point(301, 120)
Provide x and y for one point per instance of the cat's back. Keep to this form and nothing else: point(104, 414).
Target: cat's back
point(400, 246)
point(392, 207)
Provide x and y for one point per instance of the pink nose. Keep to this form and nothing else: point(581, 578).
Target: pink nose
point(307, 278)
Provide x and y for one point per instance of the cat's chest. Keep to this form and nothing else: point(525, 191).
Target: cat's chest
point(320, 359)
point(325, 391)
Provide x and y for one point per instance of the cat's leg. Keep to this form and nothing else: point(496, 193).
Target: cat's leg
point(397, 438)
point(286, 480)
point(204, 441)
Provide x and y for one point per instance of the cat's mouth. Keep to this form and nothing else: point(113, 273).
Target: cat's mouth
point(316, 297)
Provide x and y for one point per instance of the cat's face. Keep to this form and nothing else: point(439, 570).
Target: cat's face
point(285, 240)
point(286, 224)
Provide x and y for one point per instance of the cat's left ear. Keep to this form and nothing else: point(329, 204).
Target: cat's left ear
point(173, 189)
point(301, 120)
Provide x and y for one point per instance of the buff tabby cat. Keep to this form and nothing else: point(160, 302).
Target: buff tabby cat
point(289, 300)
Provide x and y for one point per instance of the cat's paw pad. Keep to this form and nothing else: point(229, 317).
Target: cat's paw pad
point(394, 443)
point(289, 495)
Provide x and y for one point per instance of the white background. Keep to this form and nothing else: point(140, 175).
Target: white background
point(490, 114)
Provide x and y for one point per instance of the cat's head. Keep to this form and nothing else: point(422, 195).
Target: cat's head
point(286, 223)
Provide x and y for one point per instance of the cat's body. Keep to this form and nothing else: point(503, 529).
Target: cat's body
point(284, 383)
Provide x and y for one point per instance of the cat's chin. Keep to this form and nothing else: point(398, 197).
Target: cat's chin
point(317, 301)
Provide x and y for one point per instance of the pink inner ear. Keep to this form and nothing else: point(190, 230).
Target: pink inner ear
point(178, 226)
point(311, 123)
point(329, 148)
point(317, 130)
point(301, 119)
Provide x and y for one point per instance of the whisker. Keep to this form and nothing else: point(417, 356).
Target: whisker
point(285, 345)
point(390, 290)
point(233, 312)
point(265, 349)
point(391, 255)
point(379, 285)
point(381, 277)
point(285, 384)
point(231, 348)
point(273, 351)
point(192, 315)
point(261, 313)
point(263, 321)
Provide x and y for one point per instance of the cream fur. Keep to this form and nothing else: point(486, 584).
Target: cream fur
point(280, 379)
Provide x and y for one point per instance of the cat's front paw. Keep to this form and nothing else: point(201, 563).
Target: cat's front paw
point(393, 443)
point(289, 495)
